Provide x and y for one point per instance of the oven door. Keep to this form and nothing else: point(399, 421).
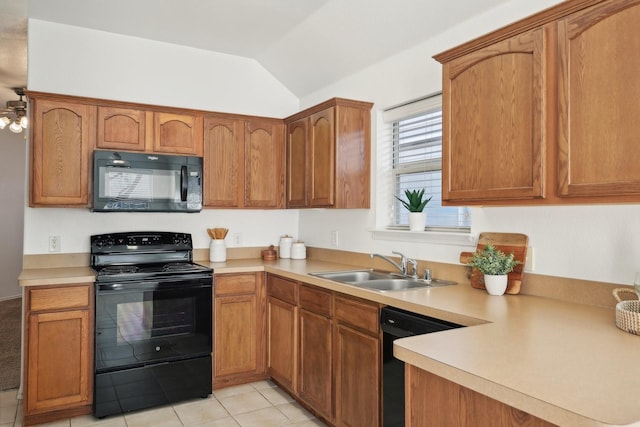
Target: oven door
point(149, 322)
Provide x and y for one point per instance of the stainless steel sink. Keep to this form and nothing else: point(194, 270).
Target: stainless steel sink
point(353, 275)
point(381, 281)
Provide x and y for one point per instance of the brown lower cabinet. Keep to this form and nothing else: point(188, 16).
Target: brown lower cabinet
point(325, 349)
point(433, 401)
point(239, 329)
point(58, 353)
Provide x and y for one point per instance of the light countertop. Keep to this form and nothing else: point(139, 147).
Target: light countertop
point(564, 362)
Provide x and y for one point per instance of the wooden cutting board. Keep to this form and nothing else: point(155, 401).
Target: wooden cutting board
point(507, 243)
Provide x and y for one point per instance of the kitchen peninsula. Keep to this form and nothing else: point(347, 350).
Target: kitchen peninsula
point(560, 361)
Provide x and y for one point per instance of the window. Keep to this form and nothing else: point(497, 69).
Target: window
point(416, 141)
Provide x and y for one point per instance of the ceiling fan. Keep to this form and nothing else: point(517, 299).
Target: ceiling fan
point(15, 115)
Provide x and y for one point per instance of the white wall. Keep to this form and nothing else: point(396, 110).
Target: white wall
point(76, 61)
point(12, 194)
point(585, 242)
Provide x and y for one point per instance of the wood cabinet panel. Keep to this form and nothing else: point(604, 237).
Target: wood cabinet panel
point(58, 355)
point(62, 135)
point(283, 343)
point(434, 401)
point(322, 158)
point(316, 300)
point(297, 163)
point(121, 129)
point(239, 329)
point(55, 298)
point(315, 370)
point(178, 133)
point(328, 155)
point(358, 388)
point(264, 164)
point(598, 91)
point(494, 109)
point(284, 289)
point(223, 162)
point(359, 314)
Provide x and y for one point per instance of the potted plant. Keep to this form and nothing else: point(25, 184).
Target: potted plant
point(415, 204)
point(495, 265)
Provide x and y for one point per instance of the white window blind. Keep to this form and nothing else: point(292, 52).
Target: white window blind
point(415, 133)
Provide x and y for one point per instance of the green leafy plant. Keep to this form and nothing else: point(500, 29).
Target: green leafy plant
point(414, 202)
point(493, 261)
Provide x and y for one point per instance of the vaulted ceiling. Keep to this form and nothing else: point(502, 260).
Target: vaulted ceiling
point(305, 44)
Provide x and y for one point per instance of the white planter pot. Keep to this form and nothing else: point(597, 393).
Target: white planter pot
point(417, 221)
point(495, 284)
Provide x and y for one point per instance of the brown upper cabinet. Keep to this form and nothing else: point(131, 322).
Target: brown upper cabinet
point(141, 130)
point(244, 156)
point(175, 133)
point(541, 111)
point(122, 129)
point(599, 88)
point(62, 139)
point(328, 155)
point(243, 162)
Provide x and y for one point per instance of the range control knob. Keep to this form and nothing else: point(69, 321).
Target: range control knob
point(98, 243)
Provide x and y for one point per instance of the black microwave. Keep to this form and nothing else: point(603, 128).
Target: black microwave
point(141, 182)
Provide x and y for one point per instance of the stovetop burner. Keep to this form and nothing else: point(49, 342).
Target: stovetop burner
point(135, 256)
point(118, 269)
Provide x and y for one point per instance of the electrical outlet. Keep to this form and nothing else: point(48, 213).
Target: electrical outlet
point(334, 238)
point(54, 243)
point(237, 239)
point(528, 263)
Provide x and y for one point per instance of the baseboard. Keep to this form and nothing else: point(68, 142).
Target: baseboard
point(10, 298)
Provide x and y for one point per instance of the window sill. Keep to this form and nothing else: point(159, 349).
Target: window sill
point(436, 237)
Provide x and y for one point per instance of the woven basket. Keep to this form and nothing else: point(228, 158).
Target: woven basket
point(627, 312)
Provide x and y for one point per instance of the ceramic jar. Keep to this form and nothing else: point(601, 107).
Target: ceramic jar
point(285, 246)
point(217, 250)
point(298, 250)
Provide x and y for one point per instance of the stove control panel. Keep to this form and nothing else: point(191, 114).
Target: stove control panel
point(140, 241)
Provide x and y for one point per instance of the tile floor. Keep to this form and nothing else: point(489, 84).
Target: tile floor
point(259, 404)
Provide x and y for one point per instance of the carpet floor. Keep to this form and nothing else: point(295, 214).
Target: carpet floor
point(10, 327)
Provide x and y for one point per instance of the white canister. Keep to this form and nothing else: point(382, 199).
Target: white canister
point(217, 250)
point(298, 250)
point(285, 246)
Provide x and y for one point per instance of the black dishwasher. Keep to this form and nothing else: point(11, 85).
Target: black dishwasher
point(397, 323)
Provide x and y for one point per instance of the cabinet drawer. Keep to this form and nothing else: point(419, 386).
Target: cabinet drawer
point(283, 289)
point(235, 284)
point(59, 298)
point(316, 300)
point(358, 314)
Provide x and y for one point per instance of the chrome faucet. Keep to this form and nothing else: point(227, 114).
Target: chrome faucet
point(402, 267)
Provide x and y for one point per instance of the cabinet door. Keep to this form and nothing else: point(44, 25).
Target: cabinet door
point(121, 129)
point(433, 401)
point(297, 163)
point(264, 164)
point(223, 162)
point(239, 329)
point(494, 112)
point(59, 365)
point(357, 378)
point(322, 169)
point(315, 371)
point(63, 135)
point(599, 87)
point(283, 342)
point(177, 133)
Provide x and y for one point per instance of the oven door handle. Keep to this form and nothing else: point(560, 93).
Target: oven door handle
point(184, 180)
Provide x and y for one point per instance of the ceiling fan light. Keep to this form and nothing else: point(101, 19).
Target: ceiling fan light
point(24, 122)
point(4, 121)
point(15, 127)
